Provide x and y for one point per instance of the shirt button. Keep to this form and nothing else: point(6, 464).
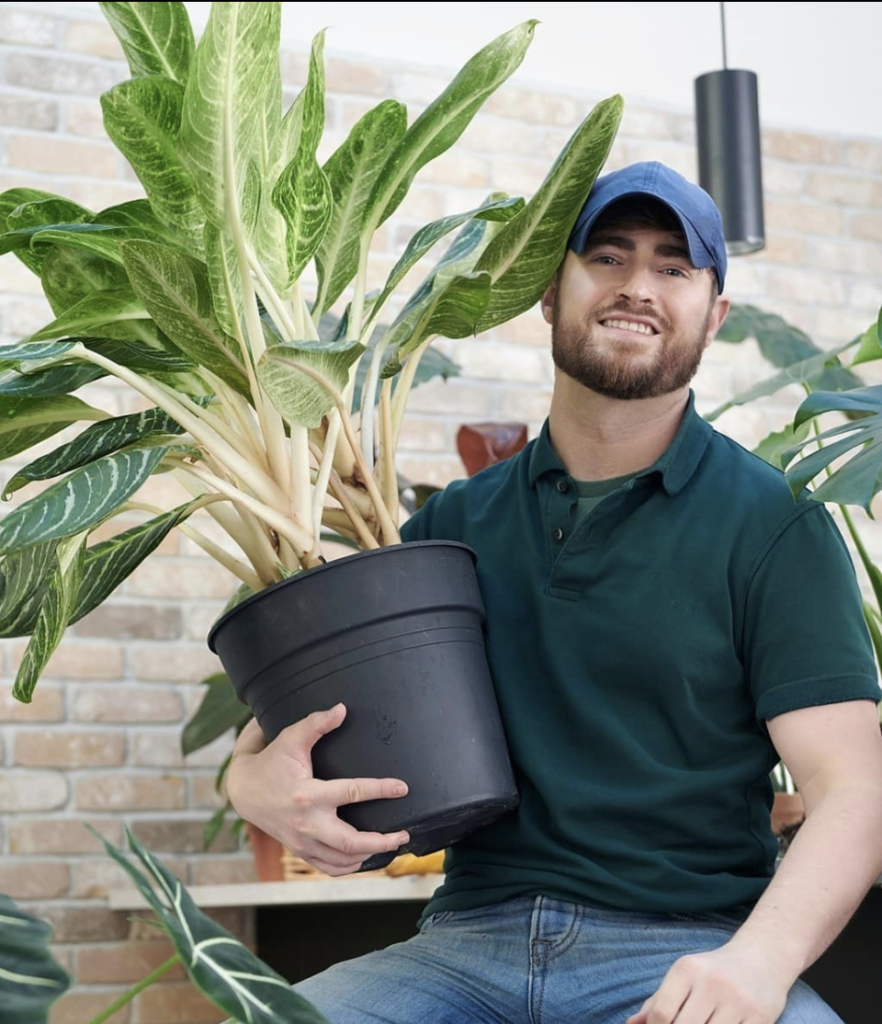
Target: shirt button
point(558, 534)
point(562, 485)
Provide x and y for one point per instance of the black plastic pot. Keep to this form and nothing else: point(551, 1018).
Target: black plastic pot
point(395, 634)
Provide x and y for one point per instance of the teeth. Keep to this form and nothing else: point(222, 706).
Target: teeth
point(629, 325)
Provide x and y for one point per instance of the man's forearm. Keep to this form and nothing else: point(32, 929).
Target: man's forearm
point(831, 863)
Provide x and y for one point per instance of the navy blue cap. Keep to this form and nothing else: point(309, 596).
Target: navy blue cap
point(698, 214)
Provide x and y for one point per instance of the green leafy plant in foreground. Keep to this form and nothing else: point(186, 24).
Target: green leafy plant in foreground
point(208, 299)
point(216, 962)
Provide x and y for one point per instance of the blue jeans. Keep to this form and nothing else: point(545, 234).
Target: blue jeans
point(531, 960)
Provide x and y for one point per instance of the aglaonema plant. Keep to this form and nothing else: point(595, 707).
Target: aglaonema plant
point(216, 962)
point(210, 300)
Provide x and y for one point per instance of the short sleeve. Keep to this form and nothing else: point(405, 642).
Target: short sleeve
point(805, 640)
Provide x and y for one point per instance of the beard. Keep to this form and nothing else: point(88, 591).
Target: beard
point(624, 371)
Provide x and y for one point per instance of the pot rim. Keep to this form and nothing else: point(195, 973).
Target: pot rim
point(254, 598)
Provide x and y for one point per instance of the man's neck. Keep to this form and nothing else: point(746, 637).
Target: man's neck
point(597, 437)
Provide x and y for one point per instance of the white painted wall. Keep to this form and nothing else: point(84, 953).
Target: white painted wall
point(818, 63)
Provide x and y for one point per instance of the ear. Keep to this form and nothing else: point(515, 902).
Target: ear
point(547, 301)
point(719, 312)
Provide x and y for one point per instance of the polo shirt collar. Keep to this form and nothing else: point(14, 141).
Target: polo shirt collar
point(675, 465)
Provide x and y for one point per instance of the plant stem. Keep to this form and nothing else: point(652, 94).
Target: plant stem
point(135, 990)
point(262, 485)
point(299, 538)
point(326, 464)
point(368, 400)
point(402, 391)
point(338, 489)
point(388, 475)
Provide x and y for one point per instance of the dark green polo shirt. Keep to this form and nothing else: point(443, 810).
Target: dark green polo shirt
point(636, 657)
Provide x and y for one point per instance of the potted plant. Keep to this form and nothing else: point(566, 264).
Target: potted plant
point(210, 300)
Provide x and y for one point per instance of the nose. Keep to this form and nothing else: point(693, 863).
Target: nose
point(639, 284)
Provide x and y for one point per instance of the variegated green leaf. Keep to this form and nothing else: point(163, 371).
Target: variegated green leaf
point(27, 351)
point(352, 172)
point(232, 70)
point(53, 616)
point(449, 309)
point(100, 239)
point(30, 977)
point(117, 305)
point(524, 256)
point(79, 501)
point(93, 443)
point(410, 327)
point(224, 278)
point(217, 963)
point(111, 561)
point(25, 422)
point(22, 208)
point(24, 577)
point(40, 213)
point(432, 364)
point(302, 383)
point(12, 198)
point(69, 275)
point(143, 118)
point(157, 39)
point(174, 288)
point(219, 711)
point(302, 194)
point(158, 360)
point(51, 382)
point(447, 117)
point(498, 207)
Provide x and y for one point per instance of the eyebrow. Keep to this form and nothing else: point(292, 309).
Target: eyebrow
point(626, 243)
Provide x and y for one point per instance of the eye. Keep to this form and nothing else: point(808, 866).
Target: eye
point(605, 260)
point(674, 272)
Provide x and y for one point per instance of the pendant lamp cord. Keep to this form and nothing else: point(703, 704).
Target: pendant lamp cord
point(723, 27)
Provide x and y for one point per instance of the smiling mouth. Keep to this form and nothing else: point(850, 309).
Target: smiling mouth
point(629, 325)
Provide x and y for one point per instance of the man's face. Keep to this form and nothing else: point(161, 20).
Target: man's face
point(631, 316)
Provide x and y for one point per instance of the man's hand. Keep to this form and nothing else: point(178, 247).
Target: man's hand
point(723, 986)
point(273, 787)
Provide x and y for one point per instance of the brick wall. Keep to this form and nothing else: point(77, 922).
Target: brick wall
point(100, 742)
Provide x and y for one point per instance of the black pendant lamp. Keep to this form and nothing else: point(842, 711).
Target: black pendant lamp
point(729, 165)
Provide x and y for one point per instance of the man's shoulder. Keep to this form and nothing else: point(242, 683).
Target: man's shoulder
point(745, 474)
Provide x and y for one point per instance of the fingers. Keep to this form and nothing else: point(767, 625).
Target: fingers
point(340, 792)
point(347, 850)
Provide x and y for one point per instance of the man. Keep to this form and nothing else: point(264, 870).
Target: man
point(663, 622)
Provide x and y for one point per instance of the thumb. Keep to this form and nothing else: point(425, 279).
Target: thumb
point(299, 739)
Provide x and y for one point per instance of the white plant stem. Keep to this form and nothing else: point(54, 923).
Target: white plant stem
point(325, 465)
point(368, 400)
point(249, 533)
point(192, 420)
point(402, 391)
point(386, 463)
point(299, 538)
